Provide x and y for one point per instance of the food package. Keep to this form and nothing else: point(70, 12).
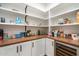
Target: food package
point(77, 17)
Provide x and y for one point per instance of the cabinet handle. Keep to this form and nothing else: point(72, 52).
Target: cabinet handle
point(52, 43)
point(32, 44)
point(20, 48)
point(17, 49)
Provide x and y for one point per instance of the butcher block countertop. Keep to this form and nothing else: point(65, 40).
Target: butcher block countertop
point(67, 41)
point(20, 40)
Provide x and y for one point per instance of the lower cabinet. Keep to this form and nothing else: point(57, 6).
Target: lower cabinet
point(25, 49)
point(16, 50)
point(38, 47)
point(11, 50)
point(49, 47)
point(31, 48)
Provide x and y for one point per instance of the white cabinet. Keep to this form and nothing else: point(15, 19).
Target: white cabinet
point(11, 50)
point(38, 47)
point(49, 47)
point(25, 49)
point(22, 49)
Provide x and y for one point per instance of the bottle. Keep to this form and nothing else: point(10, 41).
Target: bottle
point(62, 34)
point(28, 32)
point(58, 33)
point(55, 33)
point(18, 20)
point(49, 34)
point(2, 19)
point(38, 32)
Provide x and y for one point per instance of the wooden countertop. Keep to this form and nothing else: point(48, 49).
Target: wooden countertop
point(67, 41)
point(20, 40)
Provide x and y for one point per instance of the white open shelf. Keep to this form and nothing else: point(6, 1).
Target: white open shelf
point(13, 24)
point(35, 16)
point(71, 24)
point(64, 12)
point(18, 12)
point(36, 26)
point(43, 26)
point(9, 10)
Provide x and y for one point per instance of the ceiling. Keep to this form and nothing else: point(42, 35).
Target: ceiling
point(43, 6)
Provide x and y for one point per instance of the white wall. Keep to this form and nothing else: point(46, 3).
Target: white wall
point(10, 16)
point(37, 22)
point(35, 12)
point(21, 7)
point(12, 29)
point(67, 29)
point(71, 16)
point(18, 6)
point(16, 29)
point(35, 30)
point(64, 7)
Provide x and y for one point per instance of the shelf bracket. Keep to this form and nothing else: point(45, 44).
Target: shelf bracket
point(25, 18)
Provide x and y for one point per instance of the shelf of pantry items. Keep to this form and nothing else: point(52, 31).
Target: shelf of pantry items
point(64, 12)
point(13, 24)
point(18, 12)
point(71, 24)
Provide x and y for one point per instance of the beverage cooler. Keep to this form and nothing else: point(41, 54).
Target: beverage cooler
point(63, 49)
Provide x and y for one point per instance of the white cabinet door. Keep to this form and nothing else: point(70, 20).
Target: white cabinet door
point(38, 47)
point(22, 49)
point(9, 50)
point(49, 47)
point(25, 48)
